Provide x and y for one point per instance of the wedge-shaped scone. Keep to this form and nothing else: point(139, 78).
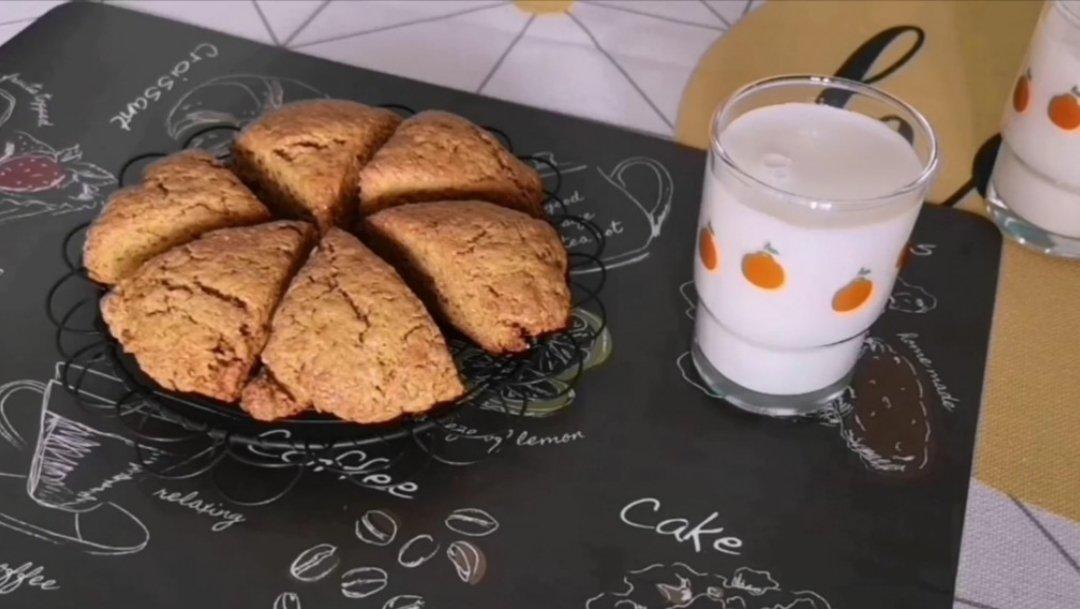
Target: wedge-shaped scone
point(497, 275)
point(181, 197)
point(303, 158)
point(440, 156)
point(350, 339)
point(197, 316)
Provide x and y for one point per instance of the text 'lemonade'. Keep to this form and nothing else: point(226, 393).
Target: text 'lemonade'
point(1035, 187)
point(799, 247)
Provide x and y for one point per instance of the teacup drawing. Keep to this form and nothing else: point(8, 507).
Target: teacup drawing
point(636, 201)
point(67, 495)
point(66, 471)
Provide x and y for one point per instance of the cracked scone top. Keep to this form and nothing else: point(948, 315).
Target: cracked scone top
point(181, 197)
point(350, 339)
point(497, 275)
point(440, 156)
point(303, 158)
point(197, 316)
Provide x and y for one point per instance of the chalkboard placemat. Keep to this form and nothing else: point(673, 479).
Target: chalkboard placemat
point(644, 492)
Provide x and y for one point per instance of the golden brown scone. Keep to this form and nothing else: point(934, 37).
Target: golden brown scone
point(350, 339)
point(181, 197)
point(496, 274)
point(437, 156)
point(303, 158)
point(197, 316)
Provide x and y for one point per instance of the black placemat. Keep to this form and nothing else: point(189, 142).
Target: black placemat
point(645, 490)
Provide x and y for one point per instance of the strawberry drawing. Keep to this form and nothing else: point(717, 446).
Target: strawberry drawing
point(31, 169)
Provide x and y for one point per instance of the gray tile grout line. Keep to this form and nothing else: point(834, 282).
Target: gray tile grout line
point(623, 9)
point(713, 10)
point(1057, 544)
point(403, 24)
point(618, 67)
point(266, 23)
point(746, 9)
point(976, 604)
point(502, 57)
point(306, 22)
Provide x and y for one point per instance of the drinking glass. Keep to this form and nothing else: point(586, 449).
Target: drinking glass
point(1034, 191)
point(812, 187)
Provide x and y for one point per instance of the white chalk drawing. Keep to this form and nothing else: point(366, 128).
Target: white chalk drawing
point(234, 100)
point(910, 298)
point(469, 561)
point(162, 84)
point(36, 94)
point(376, 527)
point(548, 157)
point(27, 574)
point(363, 582)
point(315, 563)
point(883, 417)
point(404, 601)
point(287, 600)
point(54, 487)
point(362, 468)
point(699, 534)
point(7, 106)
point(471, 522)
point(544, 387)
point(380, 528)
point(417, 551)
point(629, 235)
point(679, 586)
point(37, 179)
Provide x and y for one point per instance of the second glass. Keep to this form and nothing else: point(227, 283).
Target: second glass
point(812, 188)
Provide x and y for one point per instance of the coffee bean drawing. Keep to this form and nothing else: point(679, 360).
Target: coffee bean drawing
point(417, 551)
point(472, 522)
point(287, 600)
point(362, 582)
point(315, 563)
point(377, 528)
point(404, 601)
point(469, 562)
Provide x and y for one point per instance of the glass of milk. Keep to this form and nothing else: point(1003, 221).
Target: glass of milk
point(1034, 192)
point(812, 187)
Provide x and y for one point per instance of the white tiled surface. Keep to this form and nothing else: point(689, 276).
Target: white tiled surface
point(624, 62)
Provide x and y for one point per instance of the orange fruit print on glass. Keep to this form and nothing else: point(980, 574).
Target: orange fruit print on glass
point(855, 294)
point(762, 269)
point(1064, 110)
point(708, 250)
point(1022, 92)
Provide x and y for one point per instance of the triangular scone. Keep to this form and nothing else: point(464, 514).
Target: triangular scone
point(437, 156)
point(303, 158)
point(497, 275)
point(350, 339)
point(181, 197)
point(197, 316)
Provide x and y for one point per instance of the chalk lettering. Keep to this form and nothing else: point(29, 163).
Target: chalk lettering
point(948, 400)
point(647, 509)
point(26, 574)
point(163, 83)
point(225, 518)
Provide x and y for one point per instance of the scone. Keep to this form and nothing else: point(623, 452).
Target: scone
point(303, 158)
point(197, 316)
point(495, 274)
point(437, 156)
point(350, 339)
point(181, 197)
